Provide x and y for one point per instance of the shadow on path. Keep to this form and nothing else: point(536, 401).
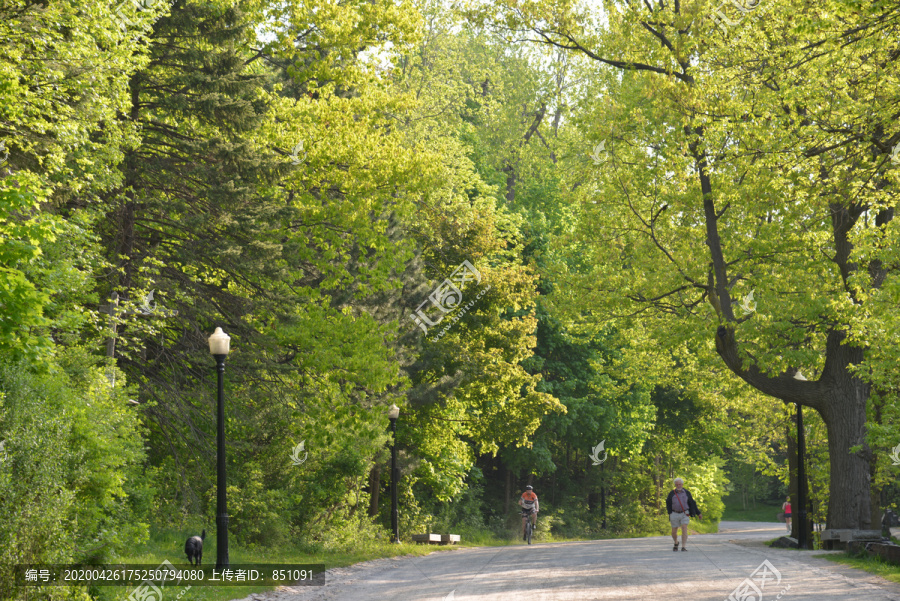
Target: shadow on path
point(716, 566)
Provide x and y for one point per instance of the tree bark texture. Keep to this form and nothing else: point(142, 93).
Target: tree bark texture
point(838, 396)
point(374, 489)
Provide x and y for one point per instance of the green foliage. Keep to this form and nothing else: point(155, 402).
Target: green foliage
point(72, 455)
point(707, 485)
point(38, 508)
point(259, 514)
point(306, 173)
point(60, 143)
point(464, 513)
point(711, 177)
point(22, 301)
point(354, 531)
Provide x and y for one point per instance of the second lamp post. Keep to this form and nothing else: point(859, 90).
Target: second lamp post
point(393, 414)
point(219, 345)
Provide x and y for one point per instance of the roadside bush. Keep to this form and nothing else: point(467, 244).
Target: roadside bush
point(71, 451)
point(260, 516)
point(355, 531)
point(463, 513)
point(548, 524)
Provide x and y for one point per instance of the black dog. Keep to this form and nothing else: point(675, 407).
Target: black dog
point(194, 548)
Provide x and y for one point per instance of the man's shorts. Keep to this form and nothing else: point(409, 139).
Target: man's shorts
point(679, 519)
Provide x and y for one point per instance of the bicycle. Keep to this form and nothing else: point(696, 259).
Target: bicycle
point(529, 526)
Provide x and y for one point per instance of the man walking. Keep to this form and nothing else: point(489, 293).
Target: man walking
point(681, 507)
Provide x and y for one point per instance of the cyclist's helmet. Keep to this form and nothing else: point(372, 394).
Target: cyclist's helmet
point(529, 487)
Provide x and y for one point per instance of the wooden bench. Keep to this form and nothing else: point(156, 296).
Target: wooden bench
point(833, 538)
point(436, 539)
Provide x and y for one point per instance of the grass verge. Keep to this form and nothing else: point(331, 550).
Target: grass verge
point(169, 545)
point(873, 565)
point(761, 513)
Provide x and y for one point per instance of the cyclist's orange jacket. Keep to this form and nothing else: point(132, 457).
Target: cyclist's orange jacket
point(529, 497)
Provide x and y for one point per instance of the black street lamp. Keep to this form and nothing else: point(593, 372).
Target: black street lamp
point(393, 414)
point(219, 345)
point(802, 534)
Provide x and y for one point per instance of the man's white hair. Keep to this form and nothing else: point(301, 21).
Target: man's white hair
point(677, 480)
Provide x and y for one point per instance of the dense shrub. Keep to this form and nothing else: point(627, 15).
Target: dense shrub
point(69, 464)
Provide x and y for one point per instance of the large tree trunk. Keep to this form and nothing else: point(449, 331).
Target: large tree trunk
point(844, 413)
point(126, 233)
point(508, 501)
point(877, 501)
point(838, 396)
point(374, 489)
point(849, 503)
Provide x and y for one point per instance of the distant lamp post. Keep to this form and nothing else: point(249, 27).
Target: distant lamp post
point(393, 414)
point(219, 345)
point(802, 534)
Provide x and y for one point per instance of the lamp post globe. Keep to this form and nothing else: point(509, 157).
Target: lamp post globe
point(393, 414)
point(219, 345)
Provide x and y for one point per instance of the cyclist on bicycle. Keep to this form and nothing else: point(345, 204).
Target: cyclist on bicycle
point(530, 507)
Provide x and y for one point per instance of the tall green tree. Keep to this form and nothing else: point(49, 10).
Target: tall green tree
point(235, 211)
point(63, 70)
point(724, 175)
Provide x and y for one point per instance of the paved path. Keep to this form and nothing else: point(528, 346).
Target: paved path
point(622, 570)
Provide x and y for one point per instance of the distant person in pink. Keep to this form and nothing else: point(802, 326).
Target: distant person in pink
point(786, 507)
